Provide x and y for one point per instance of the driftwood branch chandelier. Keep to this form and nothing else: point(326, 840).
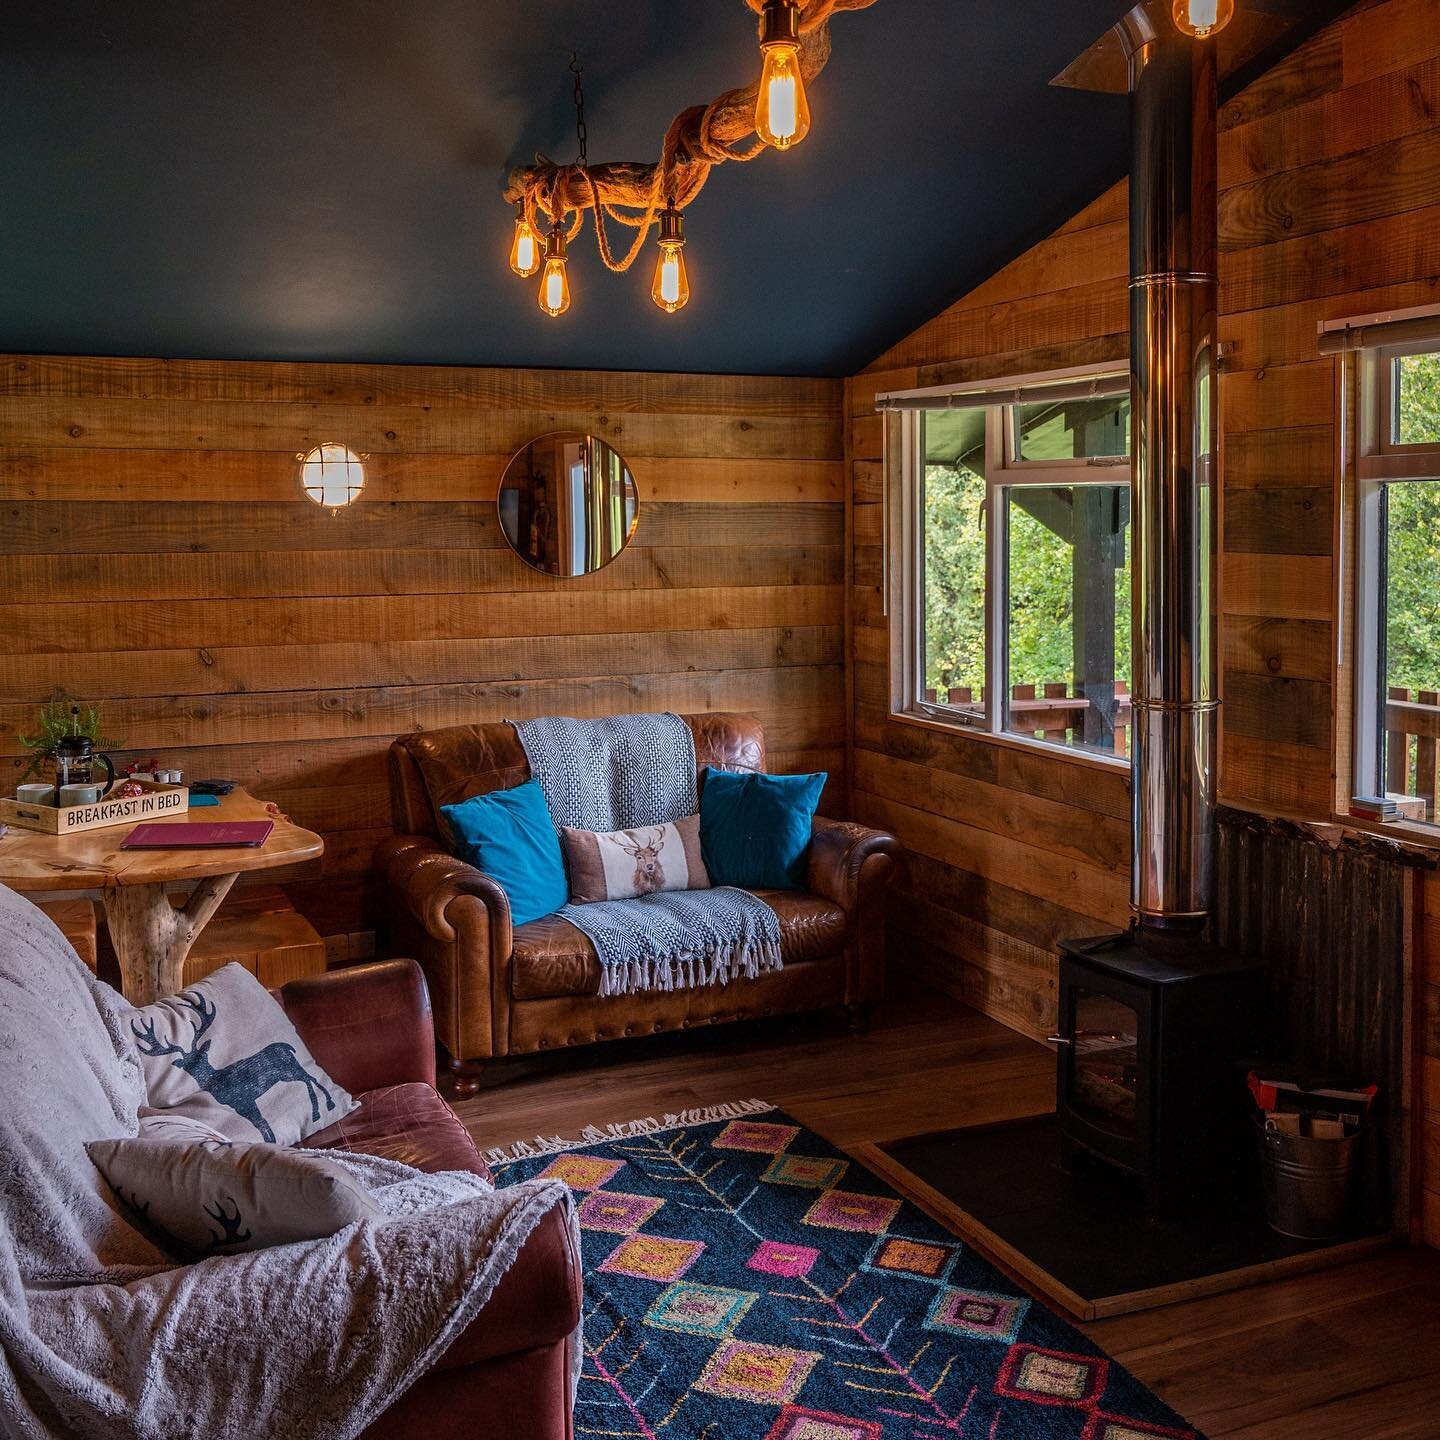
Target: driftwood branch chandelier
point(773, 113)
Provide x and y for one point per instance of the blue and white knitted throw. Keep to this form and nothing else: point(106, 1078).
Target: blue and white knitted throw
point(620, 772)
point(613, 773)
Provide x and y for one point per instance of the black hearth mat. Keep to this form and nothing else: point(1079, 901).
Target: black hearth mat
point(1089, 1230)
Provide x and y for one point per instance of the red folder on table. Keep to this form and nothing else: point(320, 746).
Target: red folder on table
point(160, 835)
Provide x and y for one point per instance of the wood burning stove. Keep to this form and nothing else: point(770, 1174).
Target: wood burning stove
point(1154, 1021)
point(1153, 1030)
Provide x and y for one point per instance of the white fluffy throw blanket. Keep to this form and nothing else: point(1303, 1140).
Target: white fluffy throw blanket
point(102, 1336)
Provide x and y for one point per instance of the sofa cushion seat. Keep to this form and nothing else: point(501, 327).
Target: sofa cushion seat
point(410, 1123)
point(553, 959)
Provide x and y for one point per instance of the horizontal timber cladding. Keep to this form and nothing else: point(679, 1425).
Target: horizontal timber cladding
point(1329, 207)
point(157, 555)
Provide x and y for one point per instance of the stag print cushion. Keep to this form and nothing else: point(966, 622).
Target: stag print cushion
point(216, 1197)
point(622, 864)
point(176, 1125)
point(223, 1052)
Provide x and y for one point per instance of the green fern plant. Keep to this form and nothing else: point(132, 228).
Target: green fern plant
point(54, 722)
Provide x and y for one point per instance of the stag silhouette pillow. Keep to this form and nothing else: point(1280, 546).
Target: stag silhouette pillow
point(622, 864)
point(216, 1197)
point(223, 1052)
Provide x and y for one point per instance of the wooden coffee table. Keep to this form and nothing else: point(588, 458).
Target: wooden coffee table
point(151, 936)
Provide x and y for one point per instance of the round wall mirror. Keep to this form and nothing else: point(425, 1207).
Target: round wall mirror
point(568, 504)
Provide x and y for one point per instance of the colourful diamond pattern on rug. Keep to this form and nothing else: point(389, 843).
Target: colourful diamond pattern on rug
point(652, 1257)
point(582, 1172)
point(1111, 1427)
point(765, 1309)
point(844, 1210)
point(700, 1309)
point(810, 1172)
point(615, 1213)
point(918, 1259)
point(759, 1136)
point(1051, 1378)
point(977, 1313)
point(797, 1424)
point(776, 1259)
point(761, 1374)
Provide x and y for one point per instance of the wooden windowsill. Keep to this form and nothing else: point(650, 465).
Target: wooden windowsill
point(1408, 834)
point(1068, 754)
point(1413, 833)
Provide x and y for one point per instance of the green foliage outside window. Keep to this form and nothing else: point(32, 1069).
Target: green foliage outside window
point(1412, 642)
point(1041, 595)
point(1419, 400)
point(1413, 539)
point(954, 579)
point(1042, 607)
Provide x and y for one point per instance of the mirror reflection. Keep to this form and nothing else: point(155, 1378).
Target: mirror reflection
point(568, 504)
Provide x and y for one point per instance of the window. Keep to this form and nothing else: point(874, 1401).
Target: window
point(1012, 513)
point(1397, 564)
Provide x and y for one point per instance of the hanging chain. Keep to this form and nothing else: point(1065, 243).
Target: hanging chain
point(577, 70)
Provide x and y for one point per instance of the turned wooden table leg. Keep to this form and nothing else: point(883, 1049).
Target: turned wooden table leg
point(152, 937)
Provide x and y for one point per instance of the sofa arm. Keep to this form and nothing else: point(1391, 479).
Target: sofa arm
point(424, 877)
point(536, 1302)
point(368, 1026)
point(839, 850)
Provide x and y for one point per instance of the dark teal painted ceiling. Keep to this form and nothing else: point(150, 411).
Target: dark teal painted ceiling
point(320, 179)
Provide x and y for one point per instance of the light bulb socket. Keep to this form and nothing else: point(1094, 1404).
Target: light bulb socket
point(1182, 12)
point(672, 226)
point(555, 244)
point(779, 24)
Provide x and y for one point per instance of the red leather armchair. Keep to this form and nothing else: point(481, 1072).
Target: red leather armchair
point(508, 1375)
point(503, 990)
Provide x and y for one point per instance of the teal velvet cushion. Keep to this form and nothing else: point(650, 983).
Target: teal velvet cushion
point(755, 829)
point(510, 836)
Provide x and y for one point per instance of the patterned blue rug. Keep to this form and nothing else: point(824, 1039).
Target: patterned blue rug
point(747, 1281)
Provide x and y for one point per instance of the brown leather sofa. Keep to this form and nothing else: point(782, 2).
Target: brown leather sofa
point(507, 1376)
point(503, 990)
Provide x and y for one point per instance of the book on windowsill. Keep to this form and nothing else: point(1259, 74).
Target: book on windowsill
point(1389, 806)
point(160, 836)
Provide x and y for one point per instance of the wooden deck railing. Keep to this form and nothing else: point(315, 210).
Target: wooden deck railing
point(1052, 714)
point(1412, 728)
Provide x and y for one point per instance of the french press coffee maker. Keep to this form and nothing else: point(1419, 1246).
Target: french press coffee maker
point(75, 760)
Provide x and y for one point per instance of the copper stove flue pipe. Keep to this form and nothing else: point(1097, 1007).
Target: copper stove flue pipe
point(1173, 310)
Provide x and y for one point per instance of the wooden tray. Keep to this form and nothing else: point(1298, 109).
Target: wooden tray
point(159, 802)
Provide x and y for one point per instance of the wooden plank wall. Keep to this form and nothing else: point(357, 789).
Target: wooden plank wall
point(157, 555)
point(1329, 206)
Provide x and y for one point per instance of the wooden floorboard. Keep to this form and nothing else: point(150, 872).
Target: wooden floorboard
point(850, 1088)
point(1353, 1351)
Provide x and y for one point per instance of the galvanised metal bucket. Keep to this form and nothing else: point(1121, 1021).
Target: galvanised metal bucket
point(1310, 1184)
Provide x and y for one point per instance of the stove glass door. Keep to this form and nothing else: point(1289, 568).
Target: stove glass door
point(1105, 1067)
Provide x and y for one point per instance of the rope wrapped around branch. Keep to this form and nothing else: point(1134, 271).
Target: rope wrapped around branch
point(699, 138)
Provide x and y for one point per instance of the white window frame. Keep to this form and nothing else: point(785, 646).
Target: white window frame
point(903, 506)
point(1379, 460)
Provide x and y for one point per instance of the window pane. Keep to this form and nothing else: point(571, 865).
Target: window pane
point(1417, 400)
point(953, 519)
point(1073, 429)
point(1068, 615)
point(1411, 673)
